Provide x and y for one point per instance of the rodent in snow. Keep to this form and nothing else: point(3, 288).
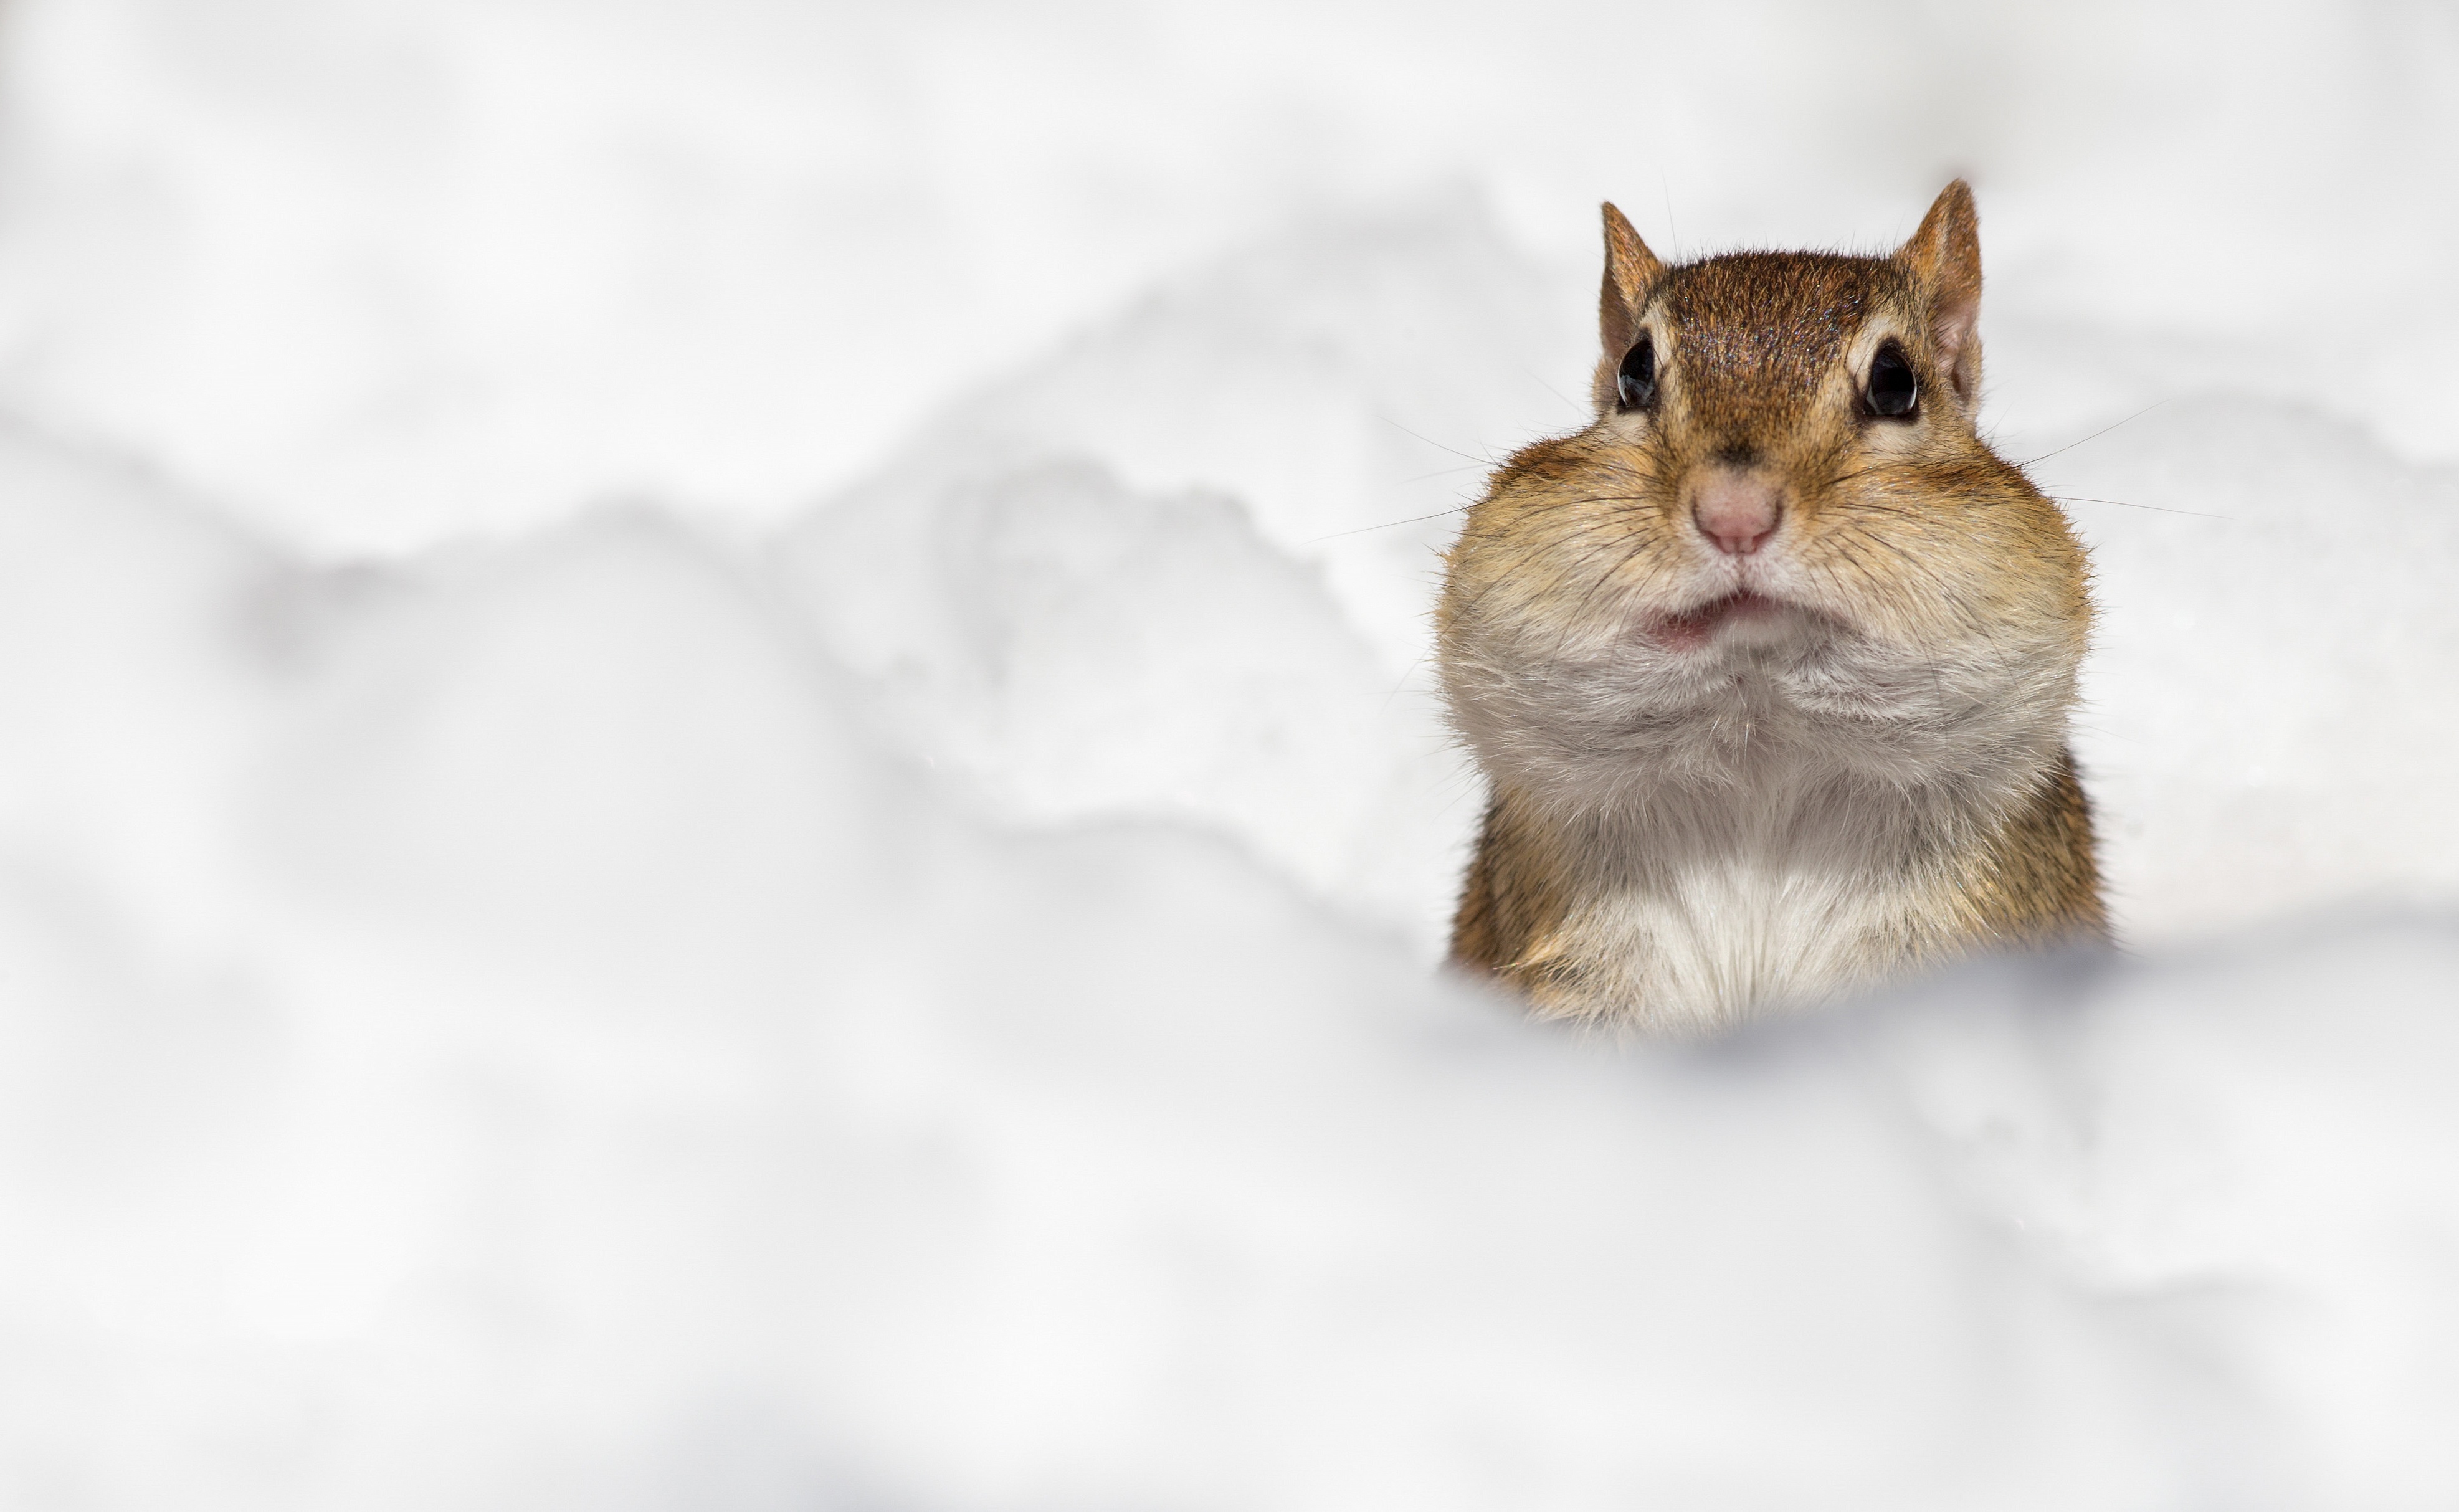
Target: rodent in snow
point(1770, 667)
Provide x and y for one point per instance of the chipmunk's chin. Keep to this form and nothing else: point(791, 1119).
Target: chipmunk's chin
point(1741, 612)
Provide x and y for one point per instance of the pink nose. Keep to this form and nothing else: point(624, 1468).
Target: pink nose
point(1736, 510)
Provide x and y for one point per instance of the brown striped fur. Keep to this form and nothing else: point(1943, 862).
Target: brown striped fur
point(1698, 808)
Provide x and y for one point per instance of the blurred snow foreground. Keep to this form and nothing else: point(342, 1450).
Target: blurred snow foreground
point(927, 1000)
point(521, 1028)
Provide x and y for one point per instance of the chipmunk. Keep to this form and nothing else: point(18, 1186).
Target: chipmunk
point(1770, 667)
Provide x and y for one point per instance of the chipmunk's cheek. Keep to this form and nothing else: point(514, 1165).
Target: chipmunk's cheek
point(1892, 441)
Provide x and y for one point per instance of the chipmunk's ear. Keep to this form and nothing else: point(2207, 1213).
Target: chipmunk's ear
point(1945, 259)
point(1630, 269)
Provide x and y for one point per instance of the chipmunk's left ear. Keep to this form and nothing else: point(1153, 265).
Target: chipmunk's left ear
point(1945, 259)
point(1631, 270)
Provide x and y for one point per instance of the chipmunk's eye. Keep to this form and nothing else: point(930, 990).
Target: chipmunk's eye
point(1636, 382)
point(1893, 391)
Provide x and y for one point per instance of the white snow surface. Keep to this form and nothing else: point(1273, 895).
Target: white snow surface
point(718, 790)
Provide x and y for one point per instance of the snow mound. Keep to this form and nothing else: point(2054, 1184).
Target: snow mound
point(558, 1049)
point(1085, 651)
point(2267, 711)
point(776, 838)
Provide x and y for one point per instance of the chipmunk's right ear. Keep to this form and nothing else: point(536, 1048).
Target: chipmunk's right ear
point(1631, 270)
point(1944, 259)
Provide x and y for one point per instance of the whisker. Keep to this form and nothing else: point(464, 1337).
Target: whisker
point(2083, 498)
point(1405, 677)
point(2097, 435)
point(1415, 519)
point(1437, 445)
point(1577, 408)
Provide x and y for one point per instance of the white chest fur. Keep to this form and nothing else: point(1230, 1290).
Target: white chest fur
point(1767, 825)
point(1700, 945)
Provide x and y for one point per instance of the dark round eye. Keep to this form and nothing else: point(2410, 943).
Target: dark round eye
point(1894, 391)
point(1636, 382)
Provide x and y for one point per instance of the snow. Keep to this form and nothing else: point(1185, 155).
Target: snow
point(719, 791)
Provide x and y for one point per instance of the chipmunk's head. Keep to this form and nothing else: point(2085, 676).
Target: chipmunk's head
point(1783, 489)
point(1763, 360)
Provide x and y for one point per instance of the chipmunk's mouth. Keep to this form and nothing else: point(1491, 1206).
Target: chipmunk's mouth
point(1694, 628)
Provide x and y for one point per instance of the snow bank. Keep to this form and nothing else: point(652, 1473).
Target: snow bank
point(2270, 712)
point(736, 811)
point(384, 272)
point(543, 1042)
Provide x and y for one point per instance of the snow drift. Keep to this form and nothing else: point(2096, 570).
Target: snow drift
point(648, 860)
